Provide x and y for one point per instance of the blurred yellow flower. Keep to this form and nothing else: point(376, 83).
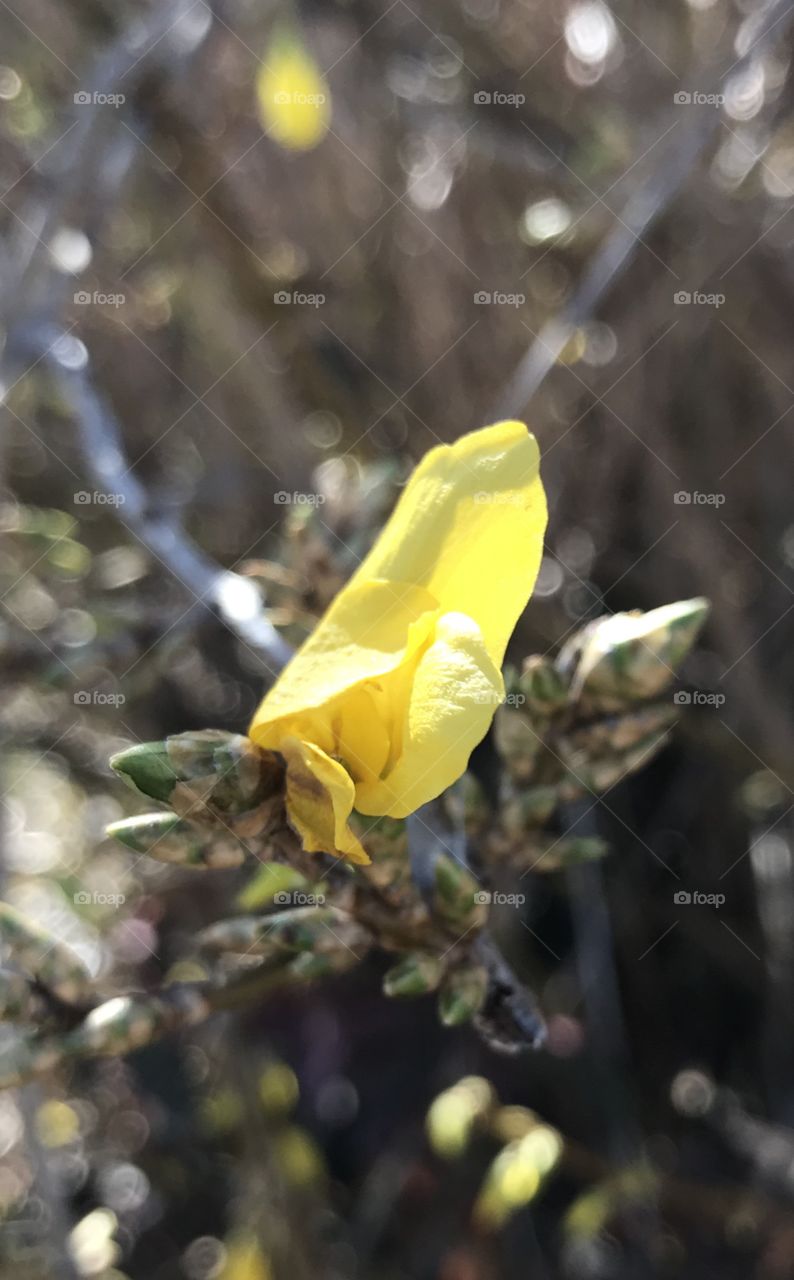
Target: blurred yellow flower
point(381, 708)
point(294, 99)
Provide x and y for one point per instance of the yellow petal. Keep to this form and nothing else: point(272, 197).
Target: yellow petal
point(319, 796)
point(469, 530)
point(455, 691)
point(294, 99)
point(361, 638)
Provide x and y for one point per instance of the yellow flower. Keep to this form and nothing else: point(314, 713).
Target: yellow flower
point(381, 708)
point(294, 99)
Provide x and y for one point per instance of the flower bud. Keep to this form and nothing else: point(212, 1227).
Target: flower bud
point(170, 839)
point(455, 893)
point(322, 930)
point(463, 995)
point(543, 686)
point(223, 771)
point(415, 975)
point(634, 656)
point(49, 961)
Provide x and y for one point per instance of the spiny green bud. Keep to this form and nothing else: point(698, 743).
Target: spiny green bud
point(415, 975)
point(543, 686)
point(632, 656)
point(463, 995)
point(53, 964)
point(455, 893)
point(170, 839)
point(224, 771)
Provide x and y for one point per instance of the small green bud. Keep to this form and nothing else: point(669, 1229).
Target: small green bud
point(170, 839)
point(317, 929)
point(147, 769)
point(455, 892)
point(51, 962)
point(462, 995)
point(634, 656)
point(124, 1023)
point(543, 686)
point(224, 771)
point(415, 975)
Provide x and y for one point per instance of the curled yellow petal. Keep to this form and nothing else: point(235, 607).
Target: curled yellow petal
point(319, 796)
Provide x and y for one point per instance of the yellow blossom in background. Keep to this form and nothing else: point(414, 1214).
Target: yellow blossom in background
point(245, 1260)
point(294, 99)
point(381, 708)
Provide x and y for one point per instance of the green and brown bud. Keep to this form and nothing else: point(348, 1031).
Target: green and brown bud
point(309, 966)
point(53, 964)
point(455, 897)
point(128, 1022)
point(208, 773)
point(170, 839)
point(415, 975)
point(462, 995)
point(543, 686)
point(634, 656)
point(318, 929)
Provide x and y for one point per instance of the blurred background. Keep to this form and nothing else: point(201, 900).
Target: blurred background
point(257, 258)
